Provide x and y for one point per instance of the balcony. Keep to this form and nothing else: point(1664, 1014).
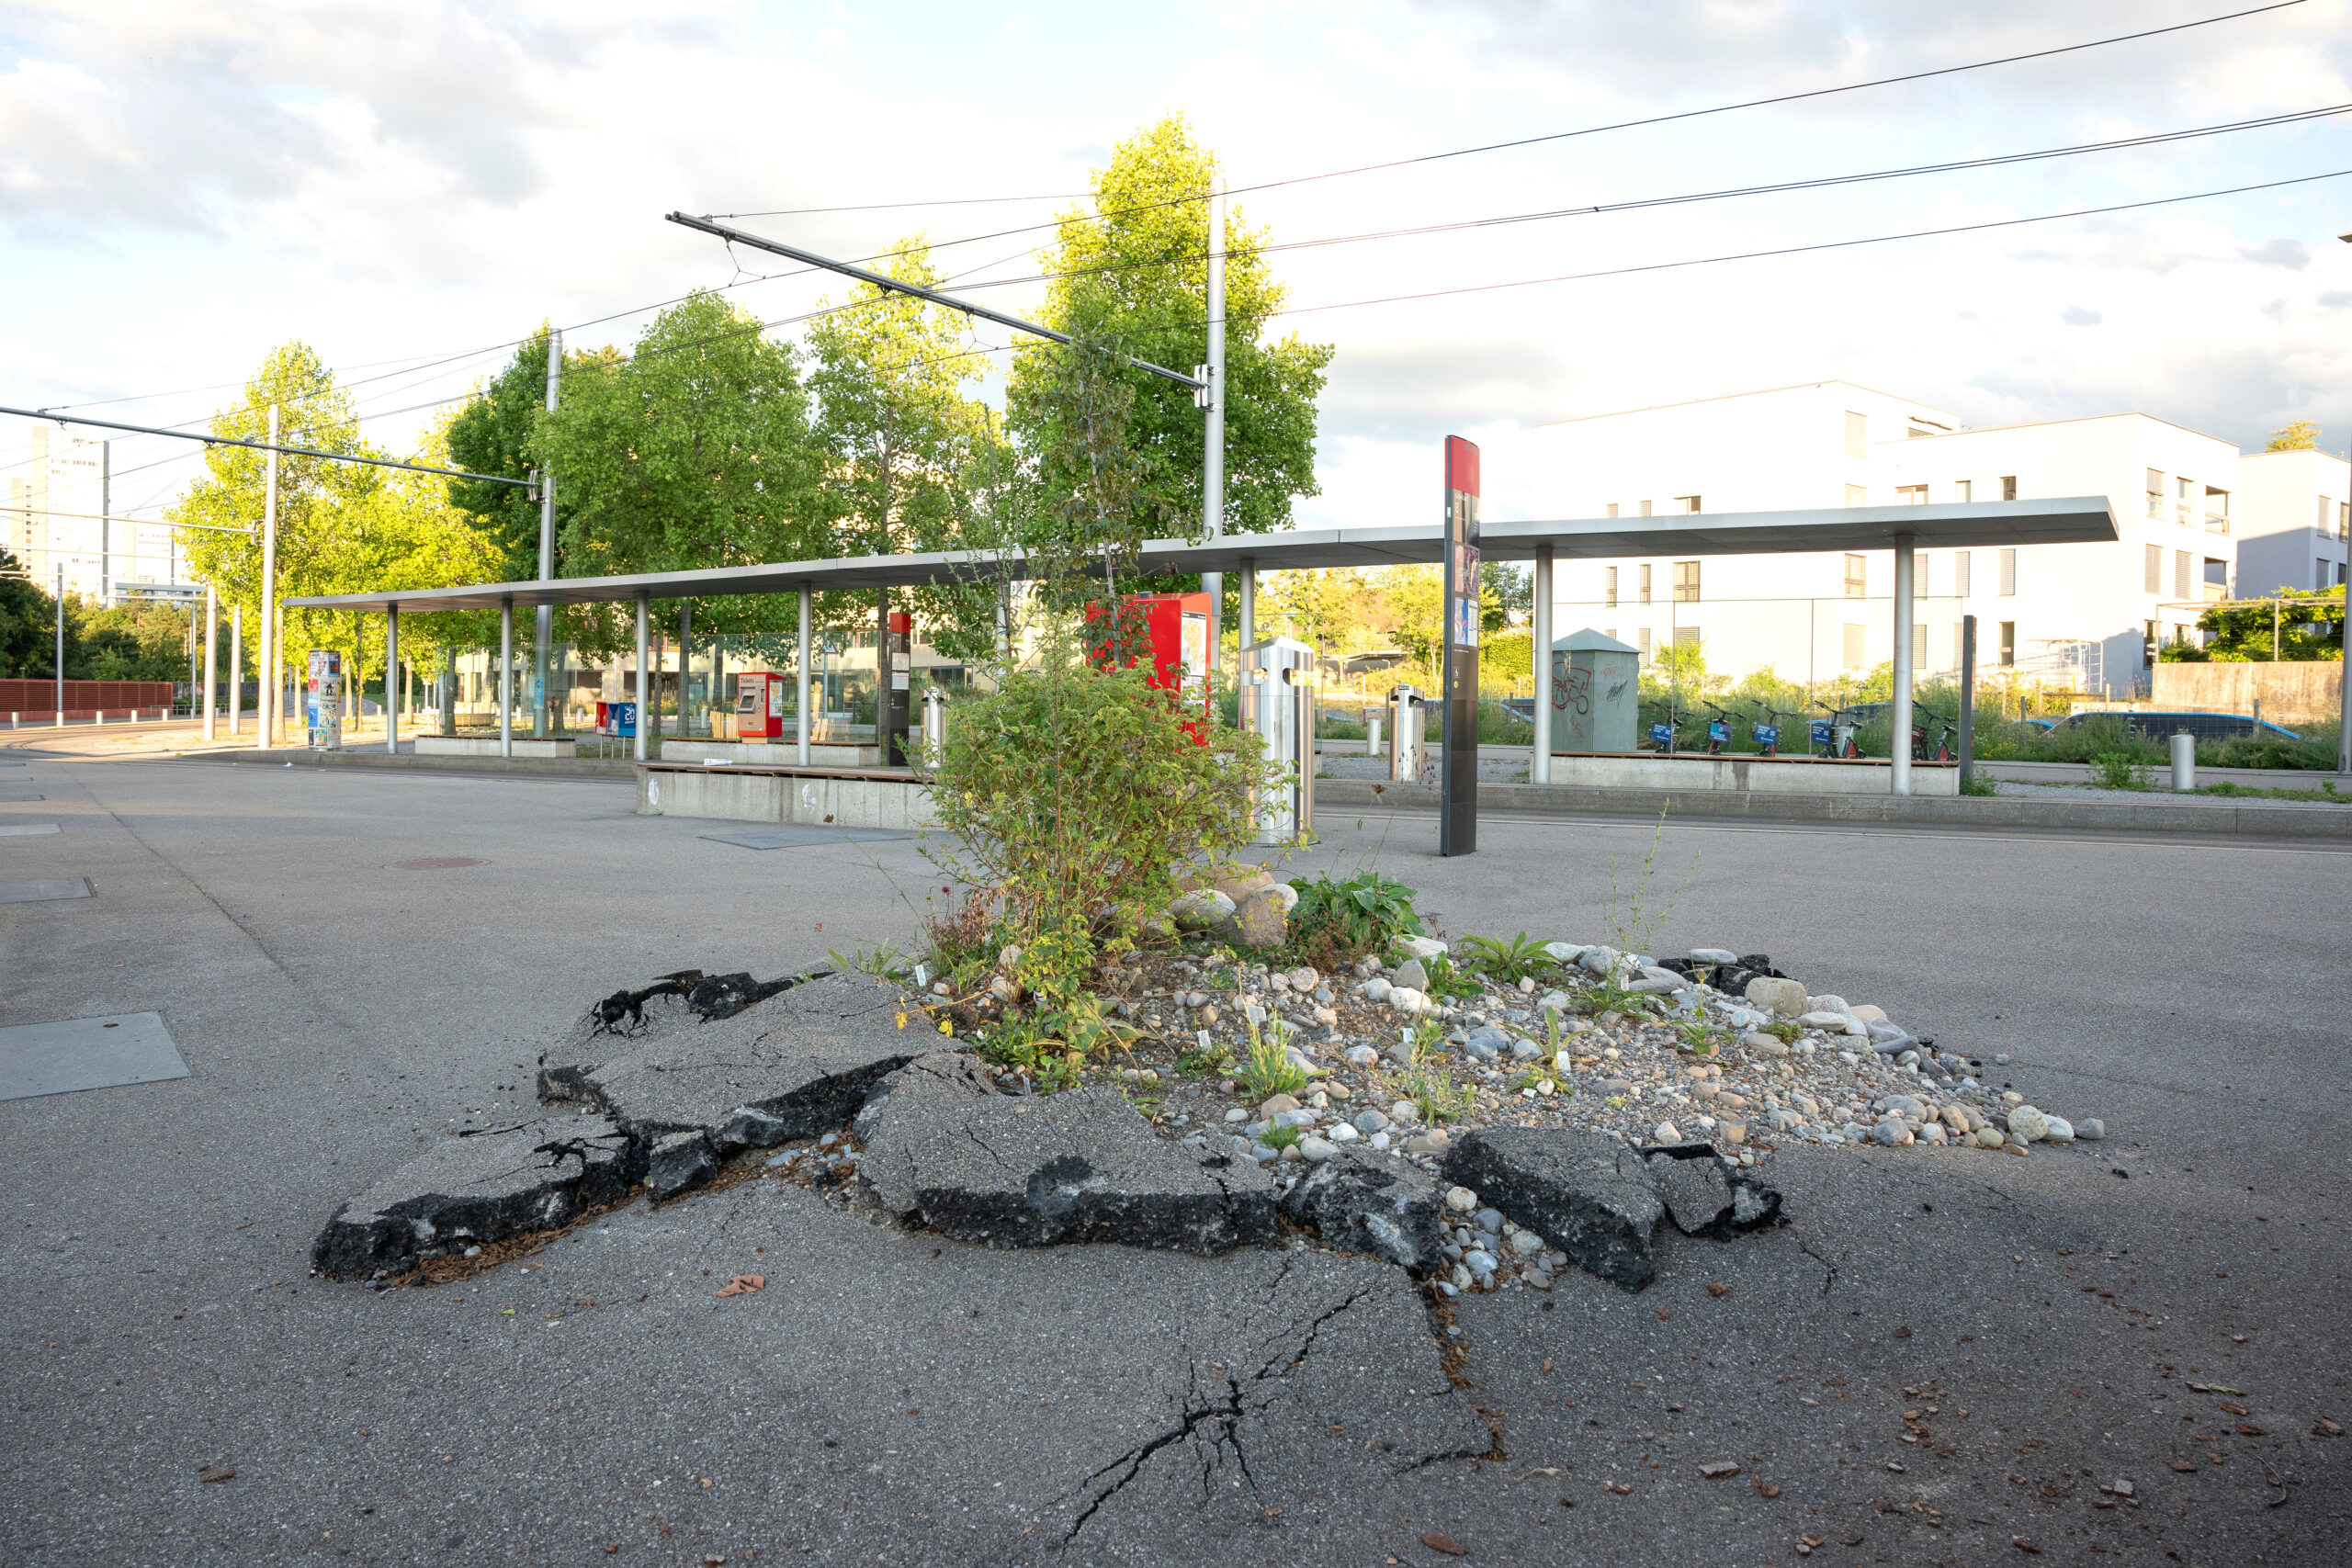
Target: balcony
point(2217, 522)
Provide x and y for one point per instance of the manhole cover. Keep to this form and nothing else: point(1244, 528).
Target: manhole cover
point(437, 863)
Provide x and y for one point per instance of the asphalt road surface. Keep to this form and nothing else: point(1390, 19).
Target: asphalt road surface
point(894, 1398)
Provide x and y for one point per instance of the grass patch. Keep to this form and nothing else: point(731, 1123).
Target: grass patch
point(2230, 790)
point(1429, 1084)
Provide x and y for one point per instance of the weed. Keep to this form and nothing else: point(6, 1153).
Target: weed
point(1519, 958)
point(1784, 1030)
point(2230, 788)
point(1269, 1071)
point(1429, 1085)
point(885, 960)
point(1445, 980)
point(2119, 770)
point(1535, 1078)
point(1632, 920)
point(1280, 1137)
point(1976, 783)
point(1335, 923)
point(1702, 1039)
point(1606, 997)
point(1205, 1059)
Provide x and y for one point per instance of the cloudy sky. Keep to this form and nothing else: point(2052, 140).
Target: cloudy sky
point(408, 188)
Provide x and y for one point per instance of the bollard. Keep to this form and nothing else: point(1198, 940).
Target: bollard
point(1372, 736)
point(2184, 762)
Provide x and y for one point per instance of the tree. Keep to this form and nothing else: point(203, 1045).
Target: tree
point(27, 623)
point(1135, 273)
point(2301, 435)
point(492, 434)
point(2240, 634)
point(695, 451)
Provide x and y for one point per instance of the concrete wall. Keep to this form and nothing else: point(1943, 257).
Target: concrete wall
point(2292, 693)
point(487, 746)
point(741, 795)
point(770, 753)
point(1775, 775)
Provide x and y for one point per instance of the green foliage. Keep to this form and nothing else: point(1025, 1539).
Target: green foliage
point(1979, 782)
point(1347, 918)
point(1429, 1084)
point(495, 434)
point(27, 623)
point(2118, 769)
point(134, 641)
point(1445, 980)
point(2303, 628)
point(2314, 748)
point(1605, 996)
point(2299, 436)
point(1700, 1038)
point(1269, 1071)
point(1205, 1058)
point(1074, 793)
point(2327, 792)
point(1280, 1137)
point(1511, 960)
point(1134, 272)
point(1785, 1031)
point(883, 960)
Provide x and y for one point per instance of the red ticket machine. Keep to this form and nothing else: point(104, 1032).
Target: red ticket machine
point(762, 699)
point(1176, 628)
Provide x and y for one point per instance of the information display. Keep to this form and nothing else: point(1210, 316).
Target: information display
point(1457, 823)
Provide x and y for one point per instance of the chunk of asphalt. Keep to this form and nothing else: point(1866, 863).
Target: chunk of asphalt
point(1036, 1170)
point(1705, 1193)
point(1587, 1193)
point(678, 1161)
point(724, 996)
point(938, 1077)
point(482, 1187)
point(1363, 1203)
point(793, 1067)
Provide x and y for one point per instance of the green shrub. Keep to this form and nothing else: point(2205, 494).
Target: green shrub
point(2118, 770)
point(1335, 923)
point(1077, 795)
point(1506, 960)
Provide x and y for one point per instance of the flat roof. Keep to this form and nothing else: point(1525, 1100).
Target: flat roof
point(1983, 523)
point(1728, 397)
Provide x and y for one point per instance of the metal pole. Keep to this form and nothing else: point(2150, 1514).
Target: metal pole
point(1541, 773)
point(2344, 713)
point(271, 654)
point(211, 653)
point(644, 607)
point(1899, 745)
point(800, 678)
point(543, 721)
point(236, 669)
point(685, 659)
point(506, 679)
point(393, 682)
point(1212, 465)
point(1249, 601)
point(1967, 702)
point(61, 645)
point(105, 528)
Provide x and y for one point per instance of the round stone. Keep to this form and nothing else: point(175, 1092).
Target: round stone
point(1461, 1199)
point(1237, 1115)
point(1665, 1132)
point(1370, 1121)
point(1405, 1110)
point(2028, 1125)
point(1315, 1151)
point(1989, 1137)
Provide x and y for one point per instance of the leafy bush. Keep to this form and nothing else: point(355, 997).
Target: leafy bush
point(1335, 923)
point(1269, 1071)
point(1508, 960)
point(2313, 749)
point(2118, 770)
point(1077, 794)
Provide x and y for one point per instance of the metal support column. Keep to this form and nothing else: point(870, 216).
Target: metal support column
point(1898, 745)
point(1967, 702)
point(272, 655)
point(543, 722)
point(644, 607)
point(506, 679)
point(1212, 466)
point(685, 661)
point(803, 722)
point(1541, 771)
point(211, 654)
point(236, 669)
point(1249, 601)
point(394, 684)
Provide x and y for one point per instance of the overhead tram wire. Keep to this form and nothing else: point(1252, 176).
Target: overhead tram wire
point(1626, 124)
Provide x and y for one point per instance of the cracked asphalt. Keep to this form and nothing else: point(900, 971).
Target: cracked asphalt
point(2012, 1334)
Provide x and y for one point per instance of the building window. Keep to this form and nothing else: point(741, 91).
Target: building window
point(1857, 495)
point(1910, 495)
point(1609, 632)
point(1612, 509)
point(2217, 510)
point(1642, 642)
point(2152, 569)
point(1959, 574)
point(2217, 578)
point(2185, 508)
point(1857, 576)
point(1963, 489)
point(1645, 509)
point(1853, 650)
point(2344, 519)
point(2008, 643)
point(2009, 487)
point(2009, 573)
point(1686, 504)
point(2155, 488)
point(2319, 519)
point(2320, 579)
point(1646, 579)
point(1918, 648)
point(1609, 590)
point(2180, 560)
point(1685, 637)
point(1857, 434)
point(1686, 581)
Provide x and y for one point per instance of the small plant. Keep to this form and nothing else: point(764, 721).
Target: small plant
point(1269, 1071)
point(1280, 1137)
point(1632, 915)
point(1702, 1039)
point(1511, 961)
point(1606, 996)
point(1445, 980)
point(1205, 1060)
point(1533, 1077)
point(885, 960)
point(2118, 769)
point(1784, 1030)
point(1979, 784)
point(1429, 1085)
point(1339, 922)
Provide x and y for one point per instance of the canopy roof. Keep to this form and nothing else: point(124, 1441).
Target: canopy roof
point(1985, 524)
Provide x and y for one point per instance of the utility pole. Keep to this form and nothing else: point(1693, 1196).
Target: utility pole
point(106, 524)
point(61, 645)
point(1212, 398)
point(541, 723)
point(211, 653)
point(271, 654)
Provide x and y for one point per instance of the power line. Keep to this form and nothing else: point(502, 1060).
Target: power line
point(893, 206)
point(265, 447)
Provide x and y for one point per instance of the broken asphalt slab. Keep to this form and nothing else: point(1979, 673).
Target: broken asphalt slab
point(1705, 1194)
point(1038, 1170)
point(1587, 1193)
point(536, 1175)
point(1360, 1202)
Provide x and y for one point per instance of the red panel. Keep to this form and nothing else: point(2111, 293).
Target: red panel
point(1461, 465)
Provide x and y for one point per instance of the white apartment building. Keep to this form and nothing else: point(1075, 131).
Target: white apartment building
point(2295, 516)
point(60, 513)
point(2081, 615)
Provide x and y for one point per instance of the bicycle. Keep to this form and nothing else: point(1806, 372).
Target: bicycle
point(1943, 752)
point(1835, 736)
point(1718, 728)
point(1767, 736)
point(1664, 737)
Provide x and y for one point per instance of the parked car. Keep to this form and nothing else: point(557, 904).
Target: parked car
point(2163, 726)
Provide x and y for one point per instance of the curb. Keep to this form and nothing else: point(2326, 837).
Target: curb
point(2281, 822)
point(558, 767)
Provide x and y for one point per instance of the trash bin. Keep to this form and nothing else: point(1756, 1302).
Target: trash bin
point(1278, 702)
